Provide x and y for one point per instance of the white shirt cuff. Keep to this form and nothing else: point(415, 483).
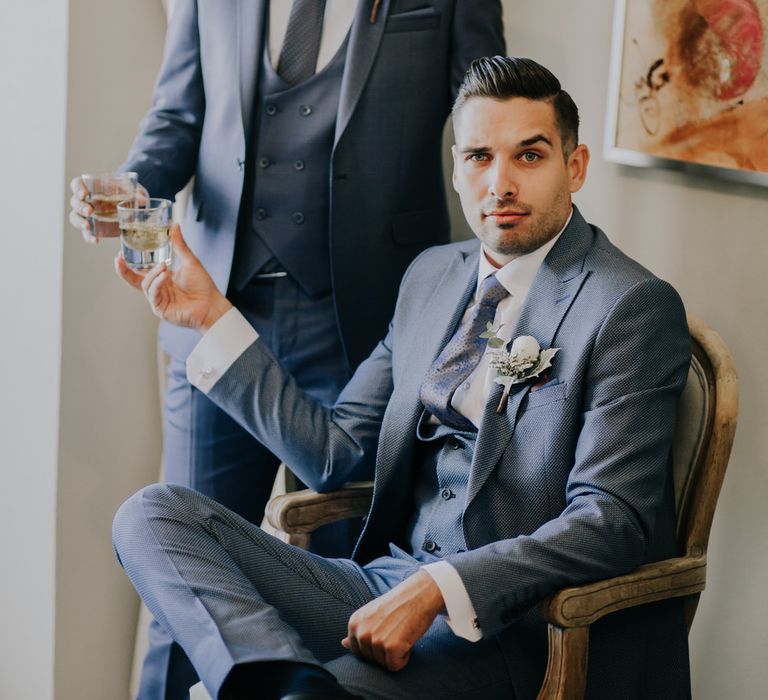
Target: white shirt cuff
point(461, 616)
point(224, 342)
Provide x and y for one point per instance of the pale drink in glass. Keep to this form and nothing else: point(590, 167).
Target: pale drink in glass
point(144, 232)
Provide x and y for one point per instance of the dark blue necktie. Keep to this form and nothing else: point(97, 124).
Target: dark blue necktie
point(460, 357)
point(298, 56)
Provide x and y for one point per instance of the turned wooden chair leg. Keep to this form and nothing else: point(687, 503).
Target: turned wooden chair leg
point(566, 676)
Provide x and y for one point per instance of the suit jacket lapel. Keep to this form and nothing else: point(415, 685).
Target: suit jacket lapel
point(427, 334)
point(364, 41)
point(554, 289)
point(439, 319)
point(443, 312)
point(251, 16)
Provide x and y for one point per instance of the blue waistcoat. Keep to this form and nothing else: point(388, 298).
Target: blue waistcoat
point(440, 491)
point(292, 142)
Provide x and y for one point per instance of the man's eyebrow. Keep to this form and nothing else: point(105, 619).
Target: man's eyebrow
point(475, 149)
point(535, 139)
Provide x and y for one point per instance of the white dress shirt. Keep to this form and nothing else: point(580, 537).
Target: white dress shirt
point(231, 335)
point(337, 20)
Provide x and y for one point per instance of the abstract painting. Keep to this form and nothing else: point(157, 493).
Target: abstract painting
point(689, 86)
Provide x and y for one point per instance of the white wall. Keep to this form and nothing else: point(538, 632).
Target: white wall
point(31, 199)
point(710, 240)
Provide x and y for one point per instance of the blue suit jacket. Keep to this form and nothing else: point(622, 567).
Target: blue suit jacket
point(571, 483)
point(387, 199)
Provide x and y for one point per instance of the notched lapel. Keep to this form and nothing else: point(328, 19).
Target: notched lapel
point(557, 283)
point(442, 313)
point(250, 18)
point(495, 432)
point(364, 41)
point(555, 288)
point(427, 334)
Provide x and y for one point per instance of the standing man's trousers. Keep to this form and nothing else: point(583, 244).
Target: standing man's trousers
point(231, 594)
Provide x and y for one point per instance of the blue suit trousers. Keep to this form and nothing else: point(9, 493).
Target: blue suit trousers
point(232, 594)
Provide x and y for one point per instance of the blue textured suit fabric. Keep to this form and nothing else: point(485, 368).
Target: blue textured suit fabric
point(572, 483)
point(209, 119)
point(457, 360)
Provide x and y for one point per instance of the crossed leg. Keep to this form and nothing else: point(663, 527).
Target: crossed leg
point(230, 594)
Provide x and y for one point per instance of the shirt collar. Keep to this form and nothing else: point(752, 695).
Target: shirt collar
point(517, 276)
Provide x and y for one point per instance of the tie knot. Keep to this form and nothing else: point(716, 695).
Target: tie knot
point(492, 291)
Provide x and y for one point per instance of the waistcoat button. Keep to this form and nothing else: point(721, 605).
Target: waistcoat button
point(264, 162)
point(298, 217)
point(299, 165)
point(261, 214)
point(271, 110)
point(446, 494)
point(305, 110)
point(430, 546)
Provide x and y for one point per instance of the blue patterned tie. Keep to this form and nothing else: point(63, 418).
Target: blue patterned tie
point(460, 357)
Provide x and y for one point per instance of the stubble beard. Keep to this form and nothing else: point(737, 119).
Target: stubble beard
point(534, 233)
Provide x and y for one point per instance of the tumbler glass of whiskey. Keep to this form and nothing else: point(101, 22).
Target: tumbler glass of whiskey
point(105, 191)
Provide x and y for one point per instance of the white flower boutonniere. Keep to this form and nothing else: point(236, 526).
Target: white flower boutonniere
point(524, 360)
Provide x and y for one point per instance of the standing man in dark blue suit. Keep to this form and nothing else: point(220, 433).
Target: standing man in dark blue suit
point(313, 132)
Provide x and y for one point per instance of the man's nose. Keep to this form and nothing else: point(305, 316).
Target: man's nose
point(503, 183)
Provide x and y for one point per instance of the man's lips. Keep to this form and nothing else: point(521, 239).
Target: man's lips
point(505, 216)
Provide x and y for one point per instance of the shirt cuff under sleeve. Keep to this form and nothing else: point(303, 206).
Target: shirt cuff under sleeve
point(461, 616)
point(224, 342)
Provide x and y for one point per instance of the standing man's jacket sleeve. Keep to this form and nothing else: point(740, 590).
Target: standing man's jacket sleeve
point(478, 31)
point(164, 153)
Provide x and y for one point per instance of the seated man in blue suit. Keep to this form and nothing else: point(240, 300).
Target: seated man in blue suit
point(502, 471)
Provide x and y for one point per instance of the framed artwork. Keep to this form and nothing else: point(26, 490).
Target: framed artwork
point(689, 87)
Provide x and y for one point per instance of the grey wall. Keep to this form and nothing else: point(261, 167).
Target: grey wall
point(109, 414)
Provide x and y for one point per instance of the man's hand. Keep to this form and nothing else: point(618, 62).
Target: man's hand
point(80, 210)
point(386, 629)
point(185, 297)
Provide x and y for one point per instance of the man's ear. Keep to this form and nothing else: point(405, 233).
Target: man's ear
point(577, 167)
point(454, 153)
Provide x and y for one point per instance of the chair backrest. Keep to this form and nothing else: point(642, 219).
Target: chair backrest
point(706, 425)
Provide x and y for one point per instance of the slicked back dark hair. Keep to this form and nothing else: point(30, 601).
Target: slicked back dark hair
point(505, 77)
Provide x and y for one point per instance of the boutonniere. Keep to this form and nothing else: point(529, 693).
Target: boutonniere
point(524, 359)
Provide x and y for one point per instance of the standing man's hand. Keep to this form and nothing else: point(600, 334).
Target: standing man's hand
point(385, 630)
point(80, 210)
point(186, 296)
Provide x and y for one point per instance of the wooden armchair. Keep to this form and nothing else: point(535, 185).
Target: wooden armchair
point(703, 438)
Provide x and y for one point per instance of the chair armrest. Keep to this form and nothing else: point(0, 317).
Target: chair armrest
point(302, 512)
point(582, 605)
